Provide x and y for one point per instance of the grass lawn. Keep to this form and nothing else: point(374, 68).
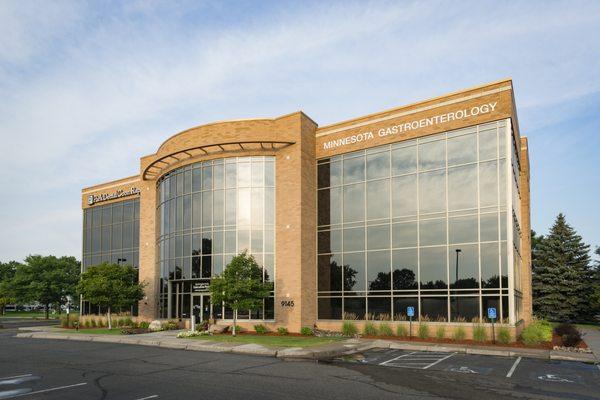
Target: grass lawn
point(27, 314)
point(272, 341)
point(98, 331)
point(587, 326)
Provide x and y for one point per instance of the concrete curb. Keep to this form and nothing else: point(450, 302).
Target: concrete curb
point(316, 353)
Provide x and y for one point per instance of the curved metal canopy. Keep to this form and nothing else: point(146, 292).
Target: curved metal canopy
point(154, 169)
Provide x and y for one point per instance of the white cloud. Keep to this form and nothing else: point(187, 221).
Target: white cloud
point(87, 91)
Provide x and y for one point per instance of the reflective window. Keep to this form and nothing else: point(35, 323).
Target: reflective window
point(210, 211)
point(394, 215)
point(111, 234)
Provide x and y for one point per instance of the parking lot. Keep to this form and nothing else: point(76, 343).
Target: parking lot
point(563, 379)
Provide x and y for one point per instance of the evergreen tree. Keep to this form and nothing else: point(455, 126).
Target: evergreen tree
point(595, 292)
point(561, 274)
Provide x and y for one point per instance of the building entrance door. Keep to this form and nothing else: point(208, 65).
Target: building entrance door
point(201, 307)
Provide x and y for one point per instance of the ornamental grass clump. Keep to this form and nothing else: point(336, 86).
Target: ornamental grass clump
point(440, 332)
point(503, 335)
point(459, 333)
point(370, 329)
point(423, 331)
point(349, 328)
point(385, 329)
point(479, 333)
point(401, 331)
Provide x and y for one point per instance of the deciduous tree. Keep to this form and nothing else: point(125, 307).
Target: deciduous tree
point(112, 286)
point(240, 286)
point(46, 280)
point(7, 273)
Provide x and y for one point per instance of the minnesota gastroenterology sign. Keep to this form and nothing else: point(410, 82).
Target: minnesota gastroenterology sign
point(405, 127)
point(99, 198)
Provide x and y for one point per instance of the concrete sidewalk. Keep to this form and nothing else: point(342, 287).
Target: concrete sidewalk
point(168, 339)
point(592, 339)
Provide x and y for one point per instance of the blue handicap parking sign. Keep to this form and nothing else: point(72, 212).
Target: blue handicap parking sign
point(410, 311)
point(491, 313)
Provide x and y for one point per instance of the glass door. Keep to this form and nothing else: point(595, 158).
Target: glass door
point(206, 310)
point(200, 307)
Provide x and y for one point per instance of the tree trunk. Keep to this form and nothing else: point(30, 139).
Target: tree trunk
point(234, 321)
point(109, 319)
point(46, 309)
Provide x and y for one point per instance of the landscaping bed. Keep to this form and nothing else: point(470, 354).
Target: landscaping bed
point(270, 339)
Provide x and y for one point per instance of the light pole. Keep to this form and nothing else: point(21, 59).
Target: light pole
point(456, 279)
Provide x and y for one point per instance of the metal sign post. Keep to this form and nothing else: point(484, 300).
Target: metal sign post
point(492, 315)
point(410, 311)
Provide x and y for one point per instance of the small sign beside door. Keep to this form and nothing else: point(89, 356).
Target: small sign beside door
point(200, 286)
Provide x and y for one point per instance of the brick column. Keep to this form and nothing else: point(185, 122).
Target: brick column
point(149, 272)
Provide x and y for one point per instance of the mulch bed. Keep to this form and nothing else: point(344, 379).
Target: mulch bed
point(556, 341)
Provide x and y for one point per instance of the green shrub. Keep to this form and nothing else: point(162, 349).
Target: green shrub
point(127, 321)
point(479, 333)
point(282, 330)
point(537, 332)
point(385, 329)
point(440, 332)
point(423, 331)
point(87, 323)
point(64, 323)
point(93, 323)
point(370, 329)
point(569, 335)
point(144, 325)
point(459, 333)
point(402, 331)
point(349, 328)
point(306, 331)
point(260, 329)
point(170, 325)
point(503, 335)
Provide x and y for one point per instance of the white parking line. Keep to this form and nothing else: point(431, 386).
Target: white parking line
point(154, 396)
point(50, 390)
point(416, 359)
point(514, 366)
point(439, 361)
point(396, 358)
point(15, 376)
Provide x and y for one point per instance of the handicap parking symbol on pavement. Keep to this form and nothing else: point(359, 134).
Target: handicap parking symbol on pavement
point(464, 370)
point(553, 378)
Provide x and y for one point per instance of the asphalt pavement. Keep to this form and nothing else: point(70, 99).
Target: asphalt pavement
point(53, 369)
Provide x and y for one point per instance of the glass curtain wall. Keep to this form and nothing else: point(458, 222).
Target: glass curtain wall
point(208, 212)
point(418, 223)
point(111, 233)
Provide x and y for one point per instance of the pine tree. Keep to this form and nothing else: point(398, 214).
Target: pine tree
point(561, 274)
point(595, 291)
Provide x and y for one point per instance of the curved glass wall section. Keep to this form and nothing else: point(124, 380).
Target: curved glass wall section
point(418, 223)
point(207, 213)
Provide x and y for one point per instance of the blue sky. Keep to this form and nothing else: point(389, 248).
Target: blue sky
point(86, 88)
